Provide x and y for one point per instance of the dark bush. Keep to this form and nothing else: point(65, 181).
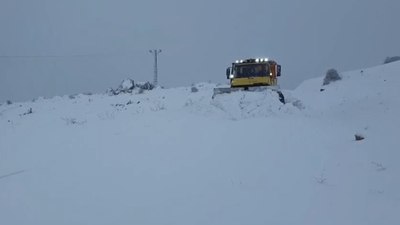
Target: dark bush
point(128, 85)
point(194, 89)
point(359, 137)
point(145, 86)
point(73, 96)
point(391, 59)
point(331, 76)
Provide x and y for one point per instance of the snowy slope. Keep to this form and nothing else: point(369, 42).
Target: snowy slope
point(172, 156)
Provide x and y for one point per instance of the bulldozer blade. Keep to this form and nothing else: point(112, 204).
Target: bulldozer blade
point(222, 90)
point(227, 90)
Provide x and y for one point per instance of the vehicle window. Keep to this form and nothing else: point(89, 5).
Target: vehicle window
point(251, 70)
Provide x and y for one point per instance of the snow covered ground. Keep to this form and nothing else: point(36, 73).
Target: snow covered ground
point(173, 156)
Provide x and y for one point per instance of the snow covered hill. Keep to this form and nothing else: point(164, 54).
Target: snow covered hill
point(177, 156)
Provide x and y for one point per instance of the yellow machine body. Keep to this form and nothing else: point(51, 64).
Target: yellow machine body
point(253, 73)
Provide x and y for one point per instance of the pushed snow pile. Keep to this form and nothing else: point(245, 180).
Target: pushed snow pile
point(238, 105)
point(178, 156)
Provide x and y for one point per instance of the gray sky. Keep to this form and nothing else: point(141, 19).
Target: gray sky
point(97, 43)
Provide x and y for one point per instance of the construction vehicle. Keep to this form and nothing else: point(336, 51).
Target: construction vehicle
point(252, 75)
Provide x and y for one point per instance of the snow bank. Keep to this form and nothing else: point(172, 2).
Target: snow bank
point(174, 156)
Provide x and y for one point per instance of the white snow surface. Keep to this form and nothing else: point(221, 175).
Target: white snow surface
point(170, 156)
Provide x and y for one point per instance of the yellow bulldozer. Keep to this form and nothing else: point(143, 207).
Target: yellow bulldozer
point(252, 75)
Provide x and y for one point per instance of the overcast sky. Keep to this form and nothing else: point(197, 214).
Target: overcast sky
point(94, 44)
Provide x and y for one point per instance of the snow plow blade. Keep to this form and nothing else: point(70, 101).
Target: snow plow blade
point(222, 90)
point(227, 90)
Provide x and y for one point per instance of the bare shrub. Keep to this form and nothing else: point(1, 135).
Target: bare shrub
point(331, 76)
point(378, 166)
point(391, 59)
point(359, 137)
point(194, 89)
point(27, 112)
point(145, 86)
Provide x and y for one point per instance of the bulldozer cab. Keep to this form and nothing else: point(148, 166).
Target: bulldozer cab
point(253, 72)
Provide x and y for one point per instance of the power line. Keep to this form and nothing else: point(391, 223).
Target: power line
point(12, 174)
point(61, 56)
point(42, 56)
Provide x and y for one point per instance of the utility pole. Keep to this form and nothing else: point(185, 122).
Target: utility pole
point(155, 52)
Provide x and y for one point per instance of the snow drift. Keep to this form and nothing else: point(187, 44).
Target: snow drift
point(177, 156)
